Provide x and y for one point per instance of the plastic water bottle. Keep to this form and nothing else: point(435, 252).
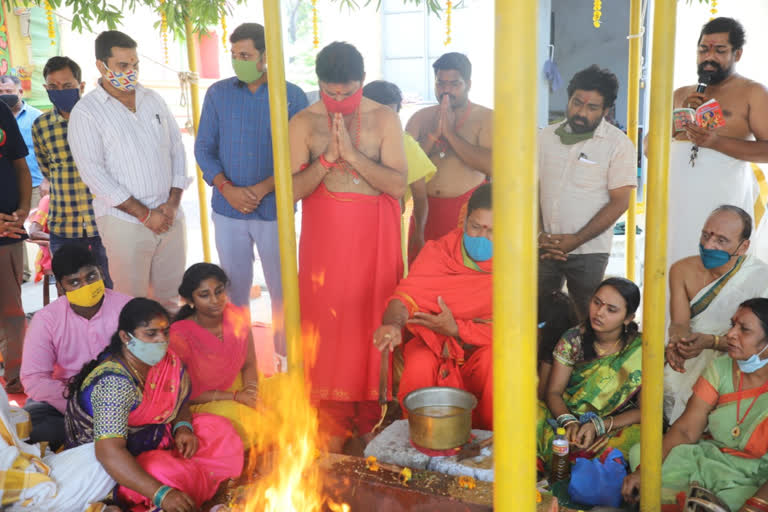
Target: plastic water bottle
point(561, 465)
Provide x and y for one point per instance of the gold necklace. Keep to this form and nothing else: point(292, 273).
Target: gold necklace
point(219, 333)
point(601, 352)
point(135, 372)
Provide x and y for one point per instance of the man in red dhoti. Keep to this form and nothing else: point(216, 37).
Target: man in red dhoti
point(350, 170)
point(457, 135)
point(446, 303)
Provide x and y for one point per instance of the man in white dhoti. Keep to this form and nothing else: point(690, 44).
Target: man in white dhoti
point(33, 481)
point(705, 291)
point(720, 172)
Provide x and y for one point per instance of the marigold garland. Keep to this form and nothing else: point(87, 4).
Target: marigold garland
point(713, 10)
point(448, 11)
point(597, 13)
point(224, 31)
point(164, 31)
point(51, 23)
point(315, 38)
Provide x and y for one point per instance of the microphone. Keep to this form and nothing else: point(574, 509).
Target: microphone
point(704, 79)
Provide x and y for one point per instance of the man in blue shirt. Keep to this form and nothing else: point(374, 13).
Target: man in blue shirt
point(15, 189)
point(234, 150)
point(11, 94)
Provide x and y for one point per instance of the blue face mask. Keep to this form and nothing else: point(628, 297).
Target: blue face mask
point(713, 258)
point(64, 99)
point(754, 363)
point(149, 353)
point(478, 248)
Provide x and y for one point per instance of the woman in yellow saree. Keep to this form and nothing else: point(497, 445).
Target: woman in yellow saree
point(730, 466)
point(594, 386)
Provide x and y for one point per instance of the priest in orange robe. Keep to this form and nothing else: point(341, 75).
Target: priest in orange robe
point(445, 303)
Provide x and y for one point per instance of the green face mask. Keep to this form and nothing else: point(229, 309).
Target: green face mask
point(247, 70)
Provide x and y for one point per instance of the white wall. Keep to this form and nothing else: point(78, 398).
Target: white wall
point(578, 45)
point(753, 14)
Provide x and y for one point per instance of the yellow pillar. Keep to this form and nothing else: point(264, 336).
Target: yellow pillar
point(633, 106)
point(654, 300)
point(515, 213)
point(195, 97)
point(278, 107)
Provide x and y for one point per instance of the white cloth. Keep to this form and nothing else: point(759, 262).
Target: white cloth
point(75, 477)
point(574, 180)
point(120, 153)
point(750, 281)
point(714, 180)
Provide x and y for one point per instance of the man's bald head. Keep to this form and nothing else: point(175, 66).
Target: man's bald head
point(737, 214)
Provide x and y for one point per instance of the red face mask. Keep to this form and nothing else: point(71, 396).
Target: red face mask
point(344, 107)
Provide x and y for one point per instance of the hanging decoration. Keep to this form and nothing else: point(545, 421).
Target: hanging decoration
point(597, 13)
point(164, 31)
point(713, 9)
point(224, 30)
point(51, 23)
point(315, 38)
point(448, 11)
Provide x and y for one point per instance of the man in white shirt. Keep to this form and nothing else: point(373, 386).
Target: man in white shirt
point(587, 170)
point(128, 149)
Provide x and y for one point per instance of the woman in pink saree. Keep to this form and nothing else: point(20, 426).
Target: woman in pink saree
point(213, 338)
point(131, 401)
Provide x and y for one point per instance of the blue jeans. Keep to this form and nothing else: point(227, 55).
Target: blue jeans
point(234, 243)
point(90, 242)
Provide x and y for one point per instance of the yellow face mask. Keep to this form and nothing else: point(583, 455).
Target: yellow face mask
point(87, 296)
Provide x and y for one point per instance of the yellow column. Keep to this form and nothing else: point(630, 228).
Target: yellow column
point(515, 212)
point(654, 307)
point(195, 97)
point(633, 106)
point(278, 107)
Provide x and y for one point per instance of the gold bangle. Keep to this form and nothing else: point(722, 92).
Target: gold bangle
point(717, 341)
point(759, 500)
point(608, 430)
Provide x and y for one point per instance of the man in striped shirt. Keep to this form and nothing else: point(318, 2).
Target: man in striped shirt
point(70, 218)
point(234, 150)
point(127, 147)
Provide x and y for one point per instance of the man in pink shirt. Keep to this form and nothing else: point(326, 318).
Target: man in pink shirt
point(64, 336)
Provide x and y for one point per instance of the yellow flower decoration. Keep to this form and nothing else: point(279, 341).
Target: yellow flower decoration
point(164, 31)
point(538, 497)
point(371, 463)
point(405, 476)
point(448, 11)
point(467, 482)
point(713, 10)
point(597, 13)
point(315, 38)
point(51, 23)
point(224, 31)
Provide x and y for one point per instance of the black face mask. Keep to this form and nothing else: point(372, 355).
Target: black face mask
point(10, 99)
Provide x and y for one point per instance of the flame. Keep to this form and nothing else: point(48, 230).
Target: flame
point(290, 479)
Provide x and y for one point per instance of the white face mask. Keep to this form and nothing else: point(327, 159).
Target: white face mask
point(149, 353)
point(754, 363)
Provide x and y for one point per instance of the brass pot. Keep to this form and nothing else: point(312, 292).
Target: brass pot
point(439, 418)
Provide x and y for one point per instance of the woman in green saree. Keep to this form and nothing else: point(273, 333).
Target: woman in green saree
point(594, 387)
point(731, 400)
